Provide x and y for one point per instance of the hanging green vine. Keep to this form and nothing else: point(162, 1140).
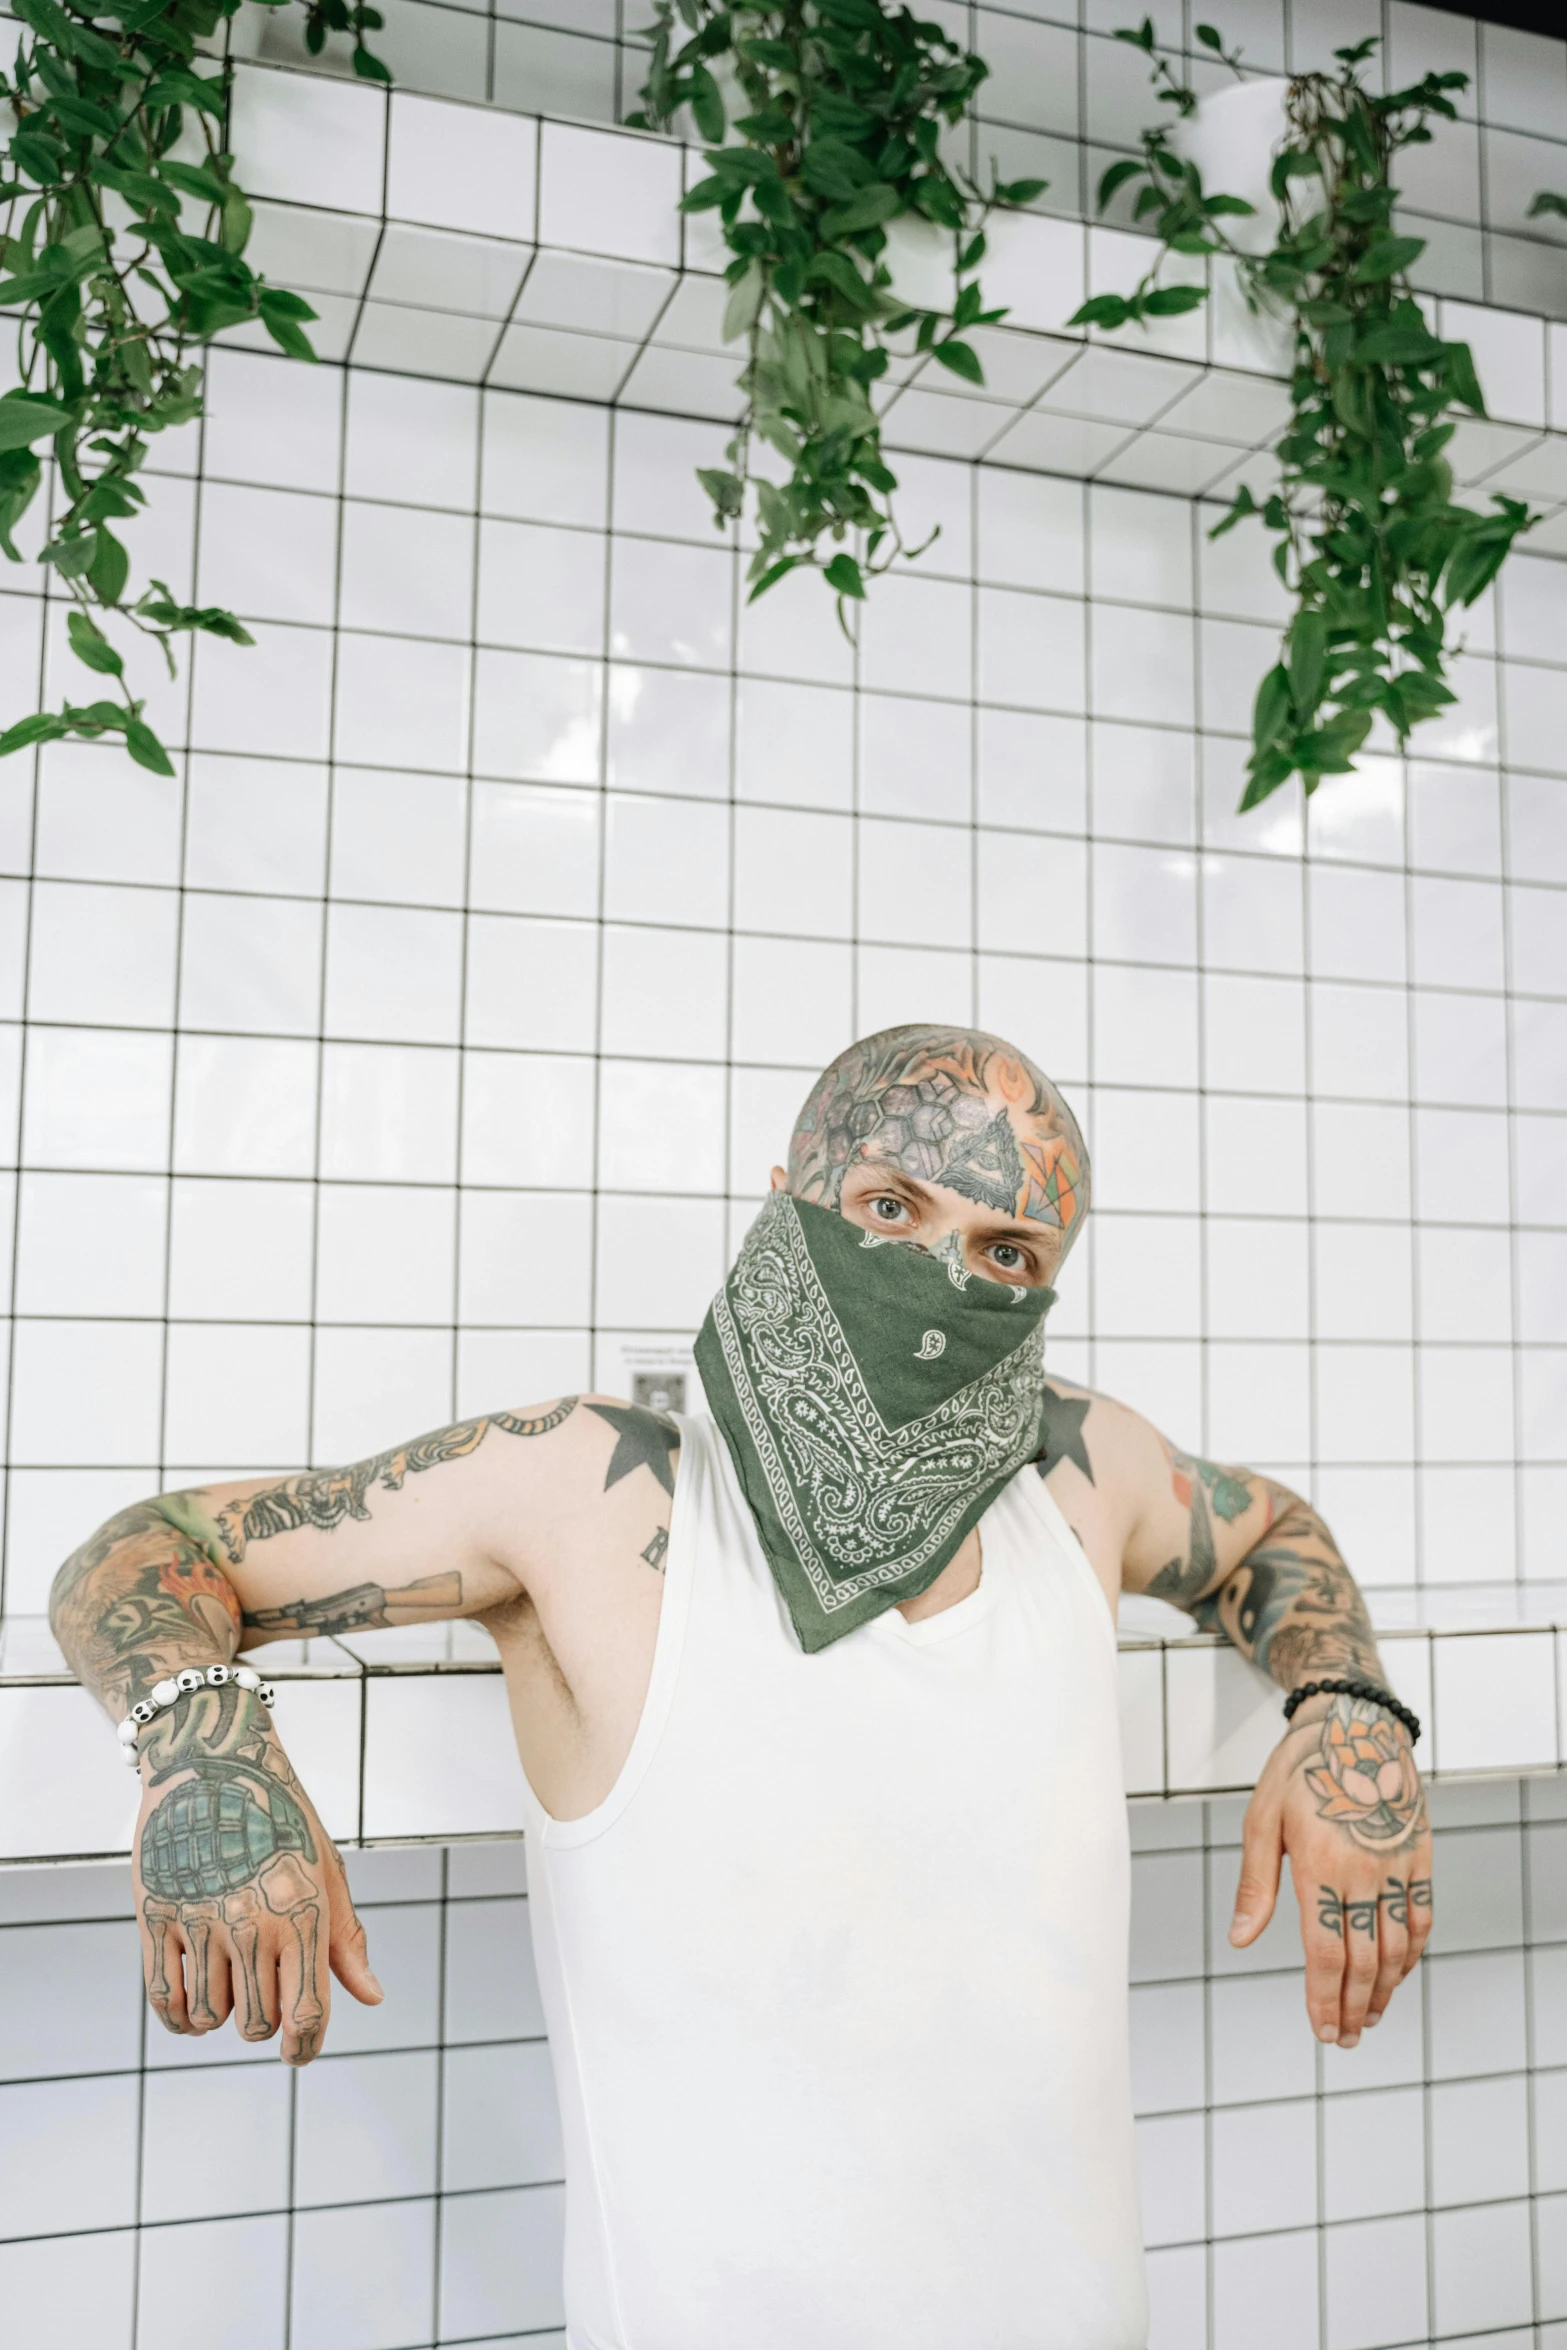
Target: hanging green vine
point(122, 257)
point(844, 107)
point(1372, 547)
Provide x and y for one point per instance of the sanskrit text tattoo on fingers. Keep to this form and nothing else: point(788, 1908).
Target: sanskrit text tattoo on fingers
point(228, 1847)
point(325, 1497)
point(950, 1106)
point(1406, 1898)
point(1336, 1914)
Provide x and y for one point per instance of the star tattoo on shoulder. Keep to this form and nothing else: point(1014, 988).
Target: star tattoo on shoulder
point(647, 1440)
point(1061, 1432)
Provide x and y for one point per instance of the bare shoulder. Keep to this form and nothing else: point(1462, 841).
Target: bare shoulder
point(608, 1469)
point(1090, 1438)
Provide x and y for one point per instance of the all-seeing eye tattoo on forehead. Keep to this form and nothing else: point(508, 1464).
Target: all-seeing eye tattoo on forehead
point(946, 1105)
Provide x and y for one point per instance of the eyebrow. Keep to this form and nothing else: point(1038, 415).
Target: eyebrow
point(889, 1168)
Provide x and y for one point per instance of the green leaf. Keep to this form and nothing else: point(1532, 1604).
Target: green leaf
point(109, 569)
point(1174, 301)
point(369, 68)
point(45, 727)
point(1462, 380)
point(843, 574)
point(1308, 645)
point(1113, 180)
point(1273, 710)
point(726, 490)
point(90, 645)
point(707, 106)
point(868, 209)
point(25, 417)
point(1397, 345)
point(1210, 39)
point(279, 313)
point(192, 181)
point(962, 359)
point(1244, 505)
point(1386, 257)
point(770, 577)
point(745, 300)
point(1014, 194)
point(1103, 310)
point(1548, 201)
point(145, 748)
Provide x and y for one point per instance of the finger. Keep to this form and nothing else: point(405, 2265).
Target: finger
point(304, 1983)
point(254, 1964)
point(1421, 1916)
point(1262, 1857)
point(1361, 1961)
point(1322, 1932)
point(220, 1983)
point(162, 1953)
point(1392, 1953)
point(348, 1950)
point(206, 1971)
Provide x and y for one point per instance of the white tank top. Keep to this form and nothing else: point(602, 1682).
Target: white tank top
point(836, 1976)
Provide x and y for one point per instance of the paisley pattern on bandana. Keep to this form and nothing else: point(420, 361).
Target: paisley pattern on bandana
point(867, 1457)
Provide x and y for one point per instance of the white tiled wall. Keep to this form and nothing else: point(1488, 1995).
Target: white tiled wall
point(426, 1043)
point(1064, 98)
point(406, 2191)
point(188, 2195)
point(431, 1035)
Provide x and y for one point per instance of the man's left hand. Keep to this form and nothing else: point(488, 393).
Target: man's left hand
point(1341, 1795)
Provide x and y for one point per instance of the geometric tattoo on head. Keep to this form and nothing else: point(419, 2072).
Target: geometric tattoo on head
point(950, 1106)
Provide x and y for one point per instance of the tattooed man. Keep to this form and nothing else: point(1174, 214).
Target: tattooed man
point(816, 1703)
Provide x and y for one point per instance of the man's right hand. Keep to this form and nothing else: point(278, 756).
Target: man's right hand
point(240, 1894)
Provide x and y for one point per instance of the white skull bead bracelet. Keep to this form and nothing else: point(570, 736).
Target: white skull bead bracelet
point(163, 1694)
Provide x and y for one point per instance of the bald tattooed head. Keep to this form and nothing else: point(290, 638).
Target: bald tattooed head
point(949, 1106)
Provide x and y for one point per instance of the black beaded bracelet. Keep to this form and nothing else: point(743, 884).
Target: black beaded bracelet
point(1371, 1690)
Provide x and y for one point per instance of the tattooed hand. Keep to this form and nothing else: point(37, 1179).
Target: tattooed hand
point(1341, 1795)
point(239, 1891)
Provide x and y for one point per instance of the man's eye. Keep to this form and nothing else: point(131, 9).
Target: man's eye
point(1006, 1256)
point(887, 1208)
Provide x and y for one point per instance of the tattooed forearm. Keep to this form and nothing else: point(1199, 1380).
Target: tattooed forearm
point(149, 1592)
point(1293, 1606)
point(139, 1600)
point(323, 1498)
point(365, 1607)
point(1289, 1604)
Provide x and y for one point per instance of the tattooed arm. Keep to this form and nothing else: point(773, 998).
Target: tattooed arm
point(241, 1896)
point(1340, 1794)
point(1246, 1557)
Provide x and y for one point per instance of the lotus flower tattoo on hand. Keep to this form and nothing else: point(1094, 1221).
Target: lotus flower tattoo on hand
point(1365, 1776)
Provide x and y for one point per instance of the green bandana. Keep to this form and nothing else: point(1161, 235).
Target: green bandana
point(874, 1401)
